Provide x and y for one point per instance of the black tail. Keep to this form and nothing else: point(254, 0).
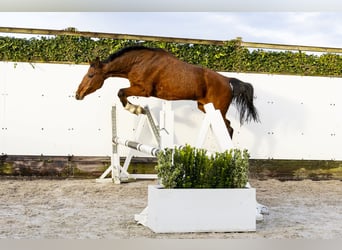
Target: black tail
point(243, 95)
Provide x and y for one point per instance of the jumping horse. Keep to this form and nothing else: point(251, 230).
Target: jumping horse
point(156, 72)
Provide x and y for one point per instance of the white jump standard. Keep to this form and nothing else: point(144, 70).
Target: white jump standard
point(163, 135)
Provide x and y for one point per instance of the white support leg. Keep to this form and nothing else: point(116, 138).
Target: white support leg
point(166, 126)
point(114, 169)
point(213, 120)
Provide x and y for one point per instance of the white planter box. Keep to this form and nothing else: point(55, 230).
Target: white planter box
point(201, 210)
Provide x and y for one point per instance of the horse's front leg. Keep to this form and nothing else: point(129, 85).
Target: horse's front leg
point(124, 93)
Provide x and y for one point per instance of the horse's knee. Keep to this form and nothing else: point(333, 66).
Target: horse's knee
point(121, 93)
point(122, 96)
point(200, 106)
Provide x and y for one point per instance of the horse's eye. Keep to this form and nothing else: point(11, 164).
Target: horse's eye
point(90, 75)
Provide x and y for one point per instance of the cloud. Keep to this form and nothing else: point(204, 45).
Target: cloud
point(302, 28)
point(313, 28)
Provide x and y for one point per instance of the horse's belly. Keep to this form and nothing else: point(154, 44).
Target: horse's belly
point(176, 94)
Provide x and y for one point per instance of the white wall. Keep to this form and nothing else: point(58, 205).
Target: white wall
point(39, 115)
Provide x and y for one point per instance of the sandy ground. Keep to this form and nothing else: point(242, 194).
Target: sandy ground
point(84, 209)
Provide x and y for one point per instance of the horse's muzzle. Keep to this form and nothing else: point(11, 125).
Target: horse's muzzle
point(78, 97)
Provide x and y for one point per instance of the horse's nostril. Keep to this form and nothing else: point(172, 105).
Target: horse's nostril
point(79, 97)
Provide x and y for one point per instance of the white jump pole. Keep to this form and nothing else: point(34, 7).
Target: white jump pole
point(153, 151)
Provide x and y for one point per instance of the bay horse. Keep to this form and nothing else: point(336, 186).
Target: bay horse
point(158, 73)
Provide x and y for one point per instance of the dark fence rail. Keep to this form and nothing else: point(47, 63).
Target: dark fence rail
point(61, 167)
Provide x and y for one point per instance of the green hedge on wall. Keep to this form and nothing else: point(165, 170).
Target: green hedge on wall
point(230, 57)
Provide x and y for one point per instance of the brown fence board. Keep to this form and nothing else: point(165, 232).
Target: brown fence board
point(74, 32)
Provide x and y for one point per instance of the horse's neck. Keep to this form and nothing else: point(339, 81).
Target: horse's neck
point(119, 67)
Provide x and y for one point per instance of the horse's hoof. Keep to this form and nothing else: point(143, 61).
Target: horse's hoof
point(140, 110)
point(135, 109)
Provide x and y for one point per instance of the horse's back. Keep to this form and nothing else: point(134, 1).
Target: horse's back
point(167, 77)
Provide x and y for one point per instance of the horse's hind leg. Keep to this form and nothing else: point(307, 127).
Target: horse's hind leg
point(229, 128)
point(226, 121)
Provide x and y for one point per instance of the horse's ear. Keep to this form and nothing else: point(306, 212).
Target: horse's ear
point(98, 63)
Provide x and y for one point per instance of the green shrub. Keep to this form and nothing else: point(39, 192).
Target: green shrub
point(231, 57)
point(190, 167)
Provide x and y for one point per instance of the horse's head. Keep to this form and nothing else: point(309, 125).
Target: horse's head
point(92, 81)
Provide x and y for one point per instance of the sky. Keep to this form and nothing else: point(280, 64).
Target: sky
point(296, 28)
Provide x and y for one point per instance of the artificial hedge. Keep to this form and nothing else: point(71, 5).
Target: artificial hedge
point(191, 167)
point(230, 57)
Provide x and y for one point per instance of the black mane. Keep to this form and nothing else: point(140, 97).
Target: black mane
point(128, 49)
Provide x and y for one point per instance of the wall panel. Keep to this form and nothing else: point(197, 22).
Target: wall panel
point(300, 116)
